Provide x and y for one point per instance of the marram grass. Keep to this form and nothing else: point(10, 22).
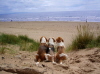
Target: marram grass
point(25, 43)
point(84, 39)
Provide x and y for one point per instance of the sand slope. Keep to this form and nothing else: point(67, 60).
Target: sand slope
point(85, 61)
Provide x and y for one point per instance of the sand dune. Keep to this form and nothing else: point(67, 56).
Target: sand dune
point(85, 61)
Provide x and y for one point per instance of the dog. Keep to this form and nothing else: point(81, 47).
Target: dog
point(50, 53)
point(40, 56)
point(60, 56)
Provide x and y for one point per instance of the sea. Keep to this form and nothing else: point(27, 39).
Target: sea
point(77, 16)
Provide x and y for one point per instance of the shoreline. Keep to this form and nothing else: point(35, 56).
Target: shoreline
point(54, 21)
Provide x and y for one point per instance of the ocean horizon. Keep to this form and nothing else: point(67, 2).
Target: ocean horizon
point(77, 16)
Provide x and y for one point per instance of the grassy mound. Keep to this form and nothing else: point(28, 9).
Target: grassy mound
point(25, 43)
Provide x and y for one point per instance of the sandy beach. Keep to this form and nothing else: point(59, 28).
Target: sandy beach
point(85, 61)
point(34, 30)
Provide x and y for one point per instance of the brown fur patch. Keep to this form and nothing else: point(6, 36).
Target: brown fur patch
point(59, 39)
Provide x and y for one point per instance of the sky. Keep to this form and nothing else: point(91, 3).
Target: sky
point(12, 6)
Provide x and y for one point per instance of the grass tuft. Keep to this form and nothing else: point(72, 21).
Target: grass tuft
point(84, 39)
point(94, 43)
point(25, 38)
point(2, 50)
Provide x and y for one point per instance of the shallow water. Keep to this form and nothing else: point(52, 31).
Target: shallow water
point(90, 16)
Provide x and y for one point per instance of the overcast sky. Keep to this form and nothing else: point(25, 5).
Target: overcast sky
point(11, 6)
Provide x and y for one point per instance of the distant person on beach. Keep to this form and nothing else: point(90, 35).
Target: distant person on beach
point(86, 20)
point(11, 20)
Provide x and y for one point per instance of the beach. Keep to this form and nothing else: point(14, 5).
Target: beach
point(86, 61)
point(36, 29)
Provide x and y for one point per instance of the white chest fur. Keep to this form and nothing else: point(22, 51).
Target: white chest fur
point(61, 44)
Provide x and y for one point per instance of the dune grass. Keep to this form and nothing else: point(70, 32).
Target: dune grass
point(9, 39)
point(94, 43)
point(84, 39)
point(25, 43)
point(3, 50)
point(7, 49)
point(28, 44)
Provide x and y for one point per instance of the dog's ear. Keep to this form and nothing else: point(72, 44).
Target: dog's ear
point(57, 40)
point(40, 39)
point(46, 39)
point(53, 39)
point(62, 40)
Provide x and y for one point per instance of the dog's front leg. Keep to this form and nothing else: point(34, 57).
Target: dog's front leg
point(60, 61)
point(46, 56)
point(38, 59)
point(53, 61)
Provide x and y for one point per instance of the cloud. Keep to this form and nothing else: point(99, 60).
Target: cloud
point(9, 6)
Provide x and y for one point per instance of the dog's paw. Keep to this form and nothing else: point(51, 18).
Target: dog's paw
point(37, 63)
point(61, 63)
point(54, 63)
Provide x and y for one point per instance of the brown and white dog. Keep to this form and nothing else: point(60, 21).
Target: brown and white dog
point(40, 56)
point(50, 53)
point(60, 56)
